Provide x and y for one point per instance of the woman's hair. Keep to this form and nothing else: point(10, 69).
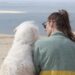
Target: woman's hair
point(62, 23)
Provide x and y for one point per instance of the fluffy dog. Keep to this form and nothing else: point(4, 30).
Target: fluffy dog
point(19, 58)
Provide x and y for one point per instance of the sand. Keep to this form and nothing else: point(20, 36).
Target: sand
point(5, 44)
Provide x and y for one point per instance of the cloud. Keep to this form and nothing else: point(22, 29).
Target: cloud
point(12, 12)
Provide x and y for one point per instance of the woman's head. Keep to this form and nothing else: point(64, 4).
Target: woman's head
point(54, 22)
point(56, 17)
point(61, 22)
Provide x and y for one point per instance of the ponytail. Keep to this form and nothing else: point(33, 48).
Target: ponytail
point(66, 27)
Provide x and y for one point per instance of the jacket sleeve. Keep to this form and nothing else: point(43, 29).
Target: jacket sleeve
point(36, 60)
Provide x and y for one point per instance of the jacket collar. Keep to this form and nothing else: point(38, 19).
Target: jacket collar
point(58, 33)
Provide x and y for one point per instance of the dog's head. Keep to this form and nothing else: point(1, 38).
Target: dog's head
point(26, 32)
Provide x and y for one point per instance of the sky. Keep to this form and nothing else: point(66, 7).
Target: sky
point(37, 0)
point(16, 10)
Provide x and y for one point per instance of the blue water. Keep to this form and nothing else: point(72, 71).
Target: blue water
point(35, 11)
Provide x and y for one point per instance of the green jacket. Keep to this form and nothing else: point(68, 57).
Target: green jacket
point(54, 55)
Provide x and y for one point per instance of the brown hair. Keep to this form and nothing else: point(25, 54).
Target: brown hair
point(62, 23)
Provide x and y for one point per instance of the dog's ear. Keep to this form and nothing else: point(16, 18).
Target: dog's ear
point(35, 32)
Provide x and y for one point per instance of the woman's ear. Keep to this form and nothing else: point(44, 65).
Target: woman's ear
point(53, 24)
point(35, 33)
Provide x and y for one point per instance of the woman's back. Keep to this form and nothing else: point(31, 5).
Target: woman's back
point(56, 55)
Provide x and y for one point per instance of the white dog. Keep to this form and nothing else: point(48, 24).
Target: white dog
point(19, 58)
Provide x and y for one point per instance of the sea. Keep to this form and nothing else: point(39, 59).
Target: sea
point(31, 11)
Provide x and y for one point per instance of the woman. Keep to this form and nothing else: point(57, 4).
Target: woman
point(55, 55)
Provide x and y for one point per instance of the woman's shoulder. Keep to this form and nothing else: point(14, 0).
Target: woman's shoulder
point(42, 41)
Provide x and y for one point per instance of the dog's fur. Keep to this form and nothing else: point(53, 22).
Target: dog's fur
point(19, 58)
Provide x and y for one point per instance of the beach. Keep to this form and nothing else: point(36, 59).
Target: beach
point(5, 44)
